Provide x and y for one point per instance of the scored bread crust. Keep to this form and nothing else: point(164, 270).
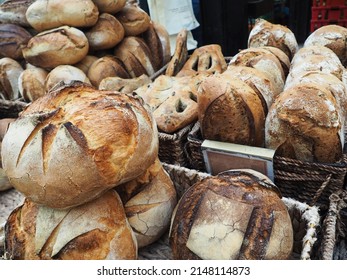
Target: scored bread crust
point(76, 142)
point(305, 123)
point(134, 20)
point(97, 230)
point(230, 111)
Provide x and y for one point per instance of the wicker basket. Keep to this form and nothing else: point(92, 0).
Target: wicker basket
point(171, 146)
point(307, 182)
point(334, 231)
point(305, 219)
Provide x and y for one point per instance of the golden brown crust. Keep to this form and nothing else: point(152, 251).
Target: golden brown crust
point(45, 15)
point(106, 66)
point(230, 111)
point(110, 6)
point(97, 230)
point(62, 45)
point(134, 20)
point(180, 54)
point(240, 208)
point(62, 127)
point(31, 83)
point(106, 33)
point(304, 123)
point(164, 37)
point(124, 85)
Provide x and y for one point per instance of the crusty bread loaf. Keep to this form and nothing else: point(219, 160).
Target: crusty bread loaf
point(282, 57)
point(106, 66)
point(64, 74)
point(265, 33)
point(164, 37)
point(10, 71)
point(304, 123)
point(262, 60)
point(237, 214)
point(124, 85)
point(106, 33)
point(13, 39)
point(332, 36)
point(207, 59)
point(230, 111)
point(172, 101)
point(31, 83)
point(97, 230)
point(74, 143)
point(256, 79)
point(136, 56)
point(110, 6)
point(13, 11)
point(180, 54)
point(134, 20)
point(86, 62)
point(149, 201)
point(51, 48)
point(48, 14)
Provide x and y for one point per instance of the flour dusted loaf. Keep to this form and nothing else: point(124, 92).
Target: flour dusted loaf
point(149, 201)
point(124, 85)
point(74, 143)
point(97, 230)
point(10, 70)
point(48, 14)
point(305, 123)
point(237, 214)
point(61, 45)
point(265, 33)
point(134, 20)
point(230, 111)
point(331, 36)
point(31, 83)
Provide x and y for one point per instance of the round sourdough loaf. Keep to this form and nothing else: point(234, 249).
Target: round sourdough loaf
point(265, 33)
point(305, 123)
point(106, 33)
point(134, 20)
point(74, 143)
point(149, 201)
point(62, 45)
point(10, 71)
point(31, 83)
point(48, 14)
point(13, 39)
point(237, 214)
point(97, 230)
point(230, 111)
point(110, 6)
point(332, 36)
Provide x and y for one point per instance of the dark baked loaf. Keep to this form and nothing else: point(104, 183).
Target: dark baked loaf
point(237, 214)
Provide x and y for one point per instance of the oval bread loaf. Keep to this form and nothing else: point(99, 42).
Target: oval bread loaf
point(60, 154)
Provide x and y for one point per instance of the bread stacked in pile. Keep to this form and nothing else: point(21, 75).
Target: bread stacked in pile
point(44, 42)
point(86, 160)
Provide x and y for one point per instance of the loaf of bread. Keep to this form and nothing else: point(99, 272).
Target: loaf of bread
point(64, 74)
point(136, 56)
point(164, 37)
point(48, 14)
point(74, 143)
point(305, 123)
point(180, 54)
point(262, 60)
point(109, 6)
point(13, 11)
point(51, 48)
point(104, 67)
point(265, 33)
point(106, 33)
point(10, 71)
point(97, 230)
point(230, 111)
point(124, 85)
point(13, 39)
point(256, 79)
point(134, 20)
point(31, 83)
point(207, 59)
point(172, 101)
point(332, 36)
point(237, 214)
point(86, 62)
point(149, 201)
point(282, 57)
